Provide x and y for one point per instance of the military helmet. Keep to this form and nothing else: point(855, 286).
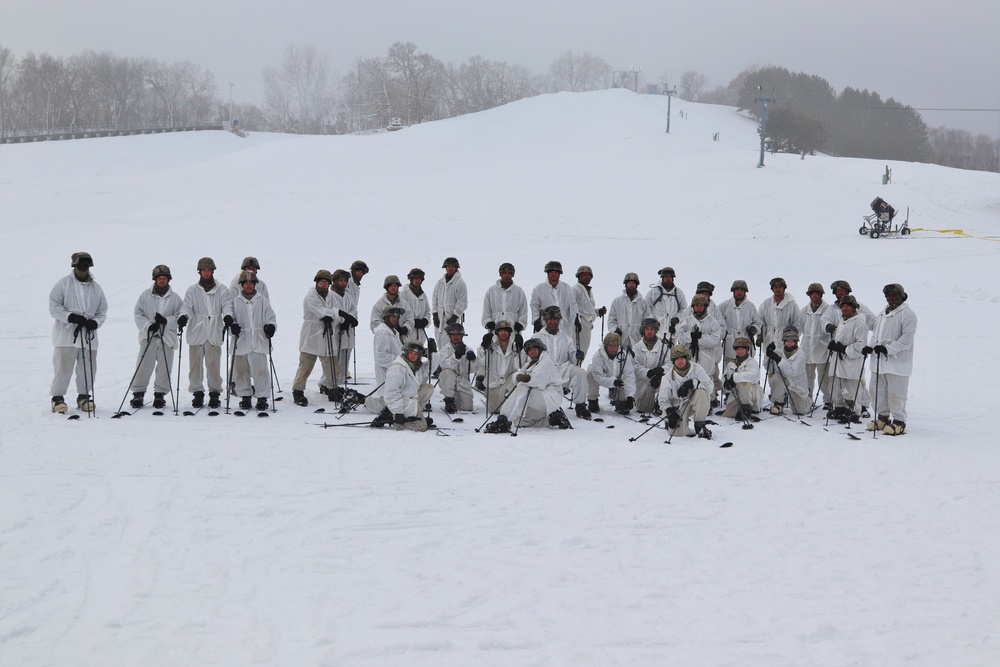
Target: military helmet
point(451, 260)
point(849, 300)
point(634, 277)
point(705, 286)
point(248, 276)
point(503, 324)
point(740, 284)
point(779, 281)
point(341, 273)
point(790, 333)
point(895, 287)
point(206, 263)
point(81, 258)
point(553, 266)
point(815, 287)
point(841, 284)
point(506, 266)
point(323, 274)
point(391, 280)
point(584, 269)
point(699, 298)
point(534, 342)
point(612, 339)
point(552, 312)
point(358, 265)
point(391, 311)
point(413, 347)
point(650, 322)
point(667, 271)
point(454, 328)
point(161, 270)
point(680, 350)
point(742, 341)
point(250, 261)
point(415, 273)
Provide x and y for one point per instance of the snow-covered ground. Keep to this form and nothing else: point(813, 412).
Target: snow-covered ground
point(223, 541)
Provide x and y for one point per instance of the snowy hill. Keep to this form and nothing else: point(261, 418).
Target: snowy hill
point(176, 540)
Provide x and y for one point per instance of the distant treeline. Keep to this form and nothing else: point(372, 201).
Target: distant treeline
point(40, 94)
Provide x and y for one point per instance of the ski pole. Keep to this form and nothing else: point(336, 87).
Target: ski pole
point(878, 369)
point(180, 352)
point(166, 367)
point(149, 339)
point(788, 394)
point(833, 383)
point(495, 412)
point(747, 425)
point(857, 390)
point(520, 417)
point(344, 411)
point(270, 349)
point(229, 382)
point(819, 384)
point(657, 423)
point(83, 360)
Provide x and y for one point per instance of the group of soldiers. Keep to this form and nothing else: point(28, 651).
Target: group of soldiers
point(663, 355)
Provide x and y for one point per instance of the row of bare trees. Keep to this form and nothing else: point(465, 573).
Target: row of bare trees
point(39, 93)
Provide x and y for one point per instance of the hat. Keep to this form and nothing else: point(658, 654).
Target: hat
point(161, 270)
point(680, 350)
point(81, 258)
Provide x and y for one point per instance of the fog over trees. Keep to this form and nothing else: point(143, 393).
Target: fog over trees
point(40, 94)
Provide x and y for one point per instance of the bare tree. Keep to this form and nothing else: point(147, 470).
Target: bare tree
point(692, 85)
point(578, 73)
point(297, 96)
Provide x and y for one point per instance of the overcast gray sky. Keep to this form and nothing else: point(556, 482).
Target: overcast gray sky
point(928, 54)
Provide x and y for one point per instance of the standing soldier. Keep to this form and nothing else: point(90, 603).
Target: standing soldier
point(78, 306)
point(895, 329)
point(394, 298)
point(566, 357)
point(741, 317)
point(819, 322)
point(586, 306)
point(207, 312)
point(848, 346)
point(418, 306)
point(451, 297)
point(666, 300)
point(240, 368)
point(352, 296)
point(321, 318)
point(553, 292)
point(627, 312)
point(253, 329)
point(701, 332)
point(505, 301)
point(156, 313)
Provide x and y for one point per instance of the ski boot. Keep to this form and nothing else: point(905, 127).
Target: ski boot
point(558, 419)
point(449, 405)
point(158, 400)
point(261, 404)
point(702, 431)
point(581, 411)
point(895, 428)
point(299, 398)
point(213, 400)
point(137, 399)
point(84, 403)
point(501, 425)
point(59, 405)
point(594, 406)
point(879, 424)
point(198, 399)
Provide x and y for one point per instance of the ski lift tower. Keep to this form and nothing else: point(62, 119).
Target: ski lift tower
point(670, 96)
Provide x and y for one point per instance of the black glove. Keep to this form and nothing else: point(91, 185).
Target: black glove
point(227, 321)
point(487, 340)
point(432, 346)
point(773, 356)
point(437, 321)
point(695, 335)
point(602, 311)
point(153, 328)
point(673, 419)
point(182, 322)
point(866, 350)
point(327, 321)
point(518, 327)
point(685, 388)
point(580, 355)
point(729, 384)
point(524, 377)
point(91, 325)
point(832, 345)
point(656, 371)
point(459, 350)
point(491, 325)
point(481, 382)
point(618, 383)
point(576, 323)
point(672, 329)
point(537, 325)
point(235, 329)
point(518, 342)
point(420, 323)
point(618, 331)
point(78, 319)
point(403, 330)
point(349, 319)
point(771, 347)
point(751, 331)
point(655, 381)
point(470, 355)
point(452, 319)
point(399, 419)
point(880, 349)
point(269, 330)
point(160, 319)
point(831, 329)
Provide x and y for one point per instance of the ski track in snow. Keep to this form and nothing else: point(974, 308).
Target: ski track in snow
point(174, 540)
